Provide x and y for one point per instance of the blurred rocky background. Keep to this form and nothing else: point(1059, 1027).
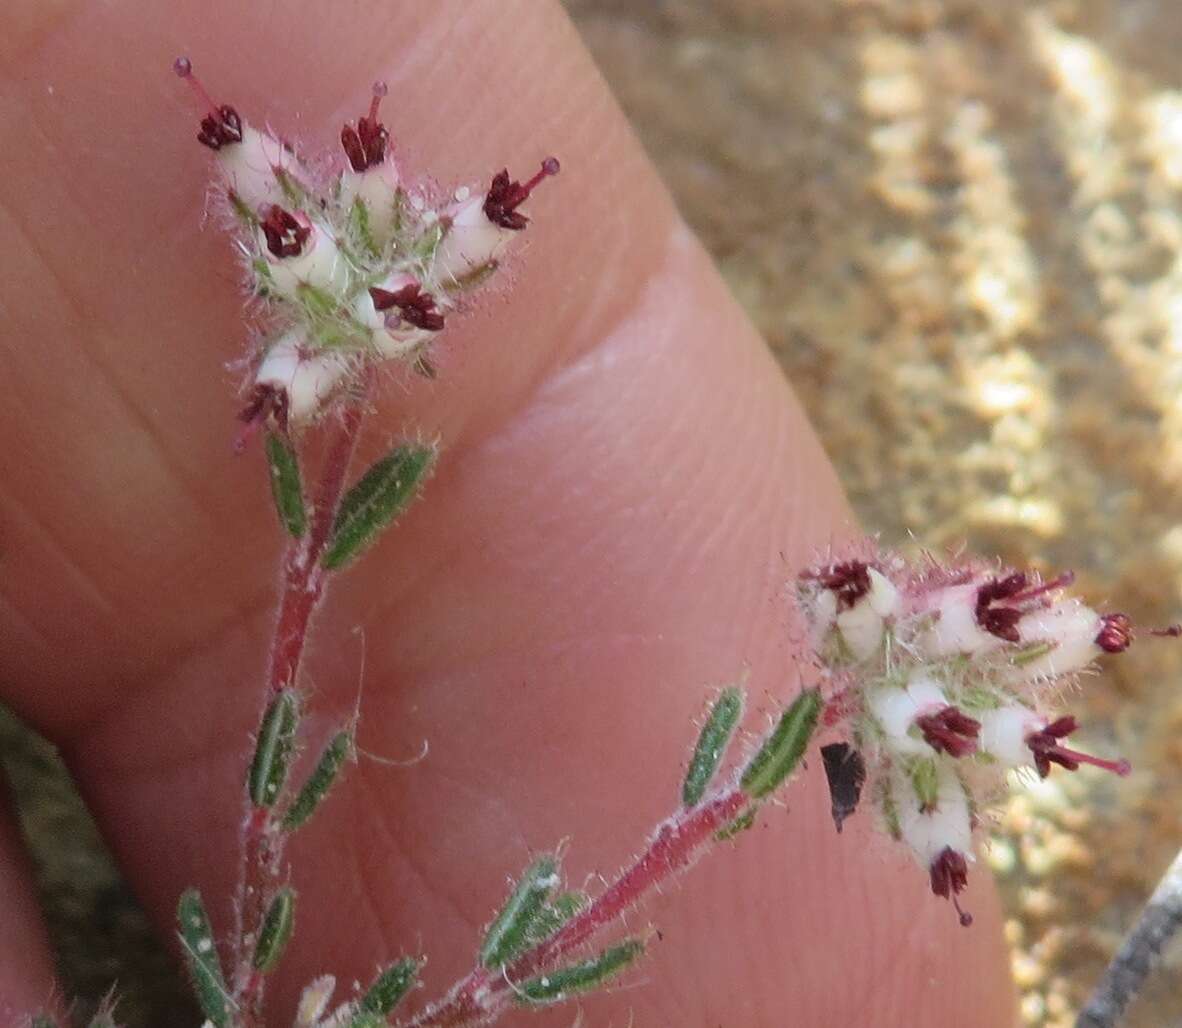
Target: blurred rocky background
point(959, 225)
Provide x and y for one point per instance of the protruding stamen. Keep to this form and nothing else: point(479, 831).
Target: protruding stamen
point(505, 196)
point(949, 876)
point(221, 126)
point(416, 307)
point(949, 731)
point(1116, 633)
point(1000, 621)
point(365, 144)
point(285, 234)
point(1048, 750)
point(1061, 581)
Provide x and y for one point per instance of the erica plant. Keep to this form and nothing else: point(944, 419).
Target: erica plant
point(931, 679)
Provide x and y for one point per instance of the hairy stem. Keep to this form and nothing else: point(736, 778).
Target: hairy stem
point(303, 589)
point(484, 994)
point(1139, 953)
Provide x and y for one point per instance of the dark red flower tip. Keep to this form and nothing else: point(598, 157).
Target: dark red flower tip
point(221, 126)
point(416, 307)
point(1047, 750)
point(949, 875)
point(849, 581)
point(267, 405)
point(1000, 621)
point(365, 144)
point(505, 196)
point(1116, 633)
point(285, 234)
point(949, 731)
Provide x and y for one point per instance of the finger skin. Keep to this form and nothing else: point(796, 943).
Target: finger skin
point(626, 485)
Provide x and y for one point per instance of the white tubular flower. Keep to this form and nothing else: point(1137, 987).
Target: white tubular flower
point(897, 711)
point(372, 177)
point(862, 624)
point(301, 252)
point(478, 228)
point(299, 380)
point(939, 833)
point(400, 316)
point(377, 190)
point(956, 628)
point(1004, 731)
point(250, 165)
point(247, 157)
point(1067, 631)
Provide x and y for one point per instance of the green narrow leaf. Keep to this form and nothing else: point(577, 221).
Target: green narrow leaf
point(556, 986)
point(780, 754)
point(555, 914)
point(375, 501)
point(388, 990)
point(322, 778)
point(102, 1020)
point(509, 933)
point(712, 743)
point(42, 1021)
point(202, 959)
point(286, 487)
point(272, 752)
point(739, 825)
point(276, 930)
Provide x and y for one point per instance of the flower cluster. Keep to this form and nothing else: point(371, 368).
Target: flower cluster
point(358, 269)
point(947, 677)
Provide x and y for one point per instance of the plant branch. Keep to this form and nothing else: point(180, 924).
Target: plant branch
point(484, 993)
point(1139, 953)
point(303, 589)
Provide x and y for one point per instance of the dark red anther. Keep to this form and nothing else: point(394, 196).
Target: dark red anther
point(416, 307)
point(221, 126)
point(849, 581)
point(365, 144)
point(1000, 621)
point(267, 406)
point(285, 234)
point(949, 876)
point(949, 731)
point(1047, 750)
point(505, 196)
point(1116, 633)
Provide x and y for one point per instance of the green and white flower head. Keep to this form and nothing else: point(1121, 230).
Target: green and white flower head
point(946, 676)
point(355, 269)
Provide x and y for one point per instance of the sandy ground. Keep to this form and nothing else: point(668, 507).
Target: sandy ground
point(959, 226)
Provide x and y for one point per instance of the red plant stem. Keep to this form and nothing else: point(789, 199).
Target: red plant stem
point(676, 843)
point(303, 588)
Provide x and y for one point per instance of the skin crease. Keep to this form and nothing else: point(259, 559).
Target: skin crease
point(626, 484)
